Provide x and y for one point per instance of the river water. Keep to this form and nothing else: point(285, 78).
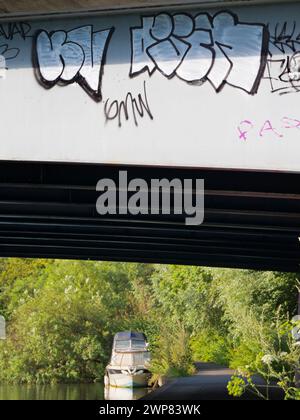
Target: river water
point(69, 392)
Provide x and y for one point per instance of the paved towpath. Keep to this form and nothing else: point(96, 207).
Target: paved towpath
point(209, 383)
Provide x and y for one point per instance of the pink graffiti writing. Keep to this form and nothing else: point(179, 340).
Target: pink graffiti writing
point(277, 129)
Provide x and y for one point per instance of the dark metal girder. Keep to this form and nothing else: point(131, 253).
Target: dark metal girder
point(152, 246)
point(143, 257)
point(252, 219)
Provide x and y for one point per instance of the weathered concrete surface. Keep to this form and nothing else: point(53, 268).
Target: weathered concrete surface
point(19, 7)
point(210, 383)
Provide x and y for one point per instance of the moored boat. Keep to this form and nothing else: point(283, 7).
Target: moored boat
point(130, 360)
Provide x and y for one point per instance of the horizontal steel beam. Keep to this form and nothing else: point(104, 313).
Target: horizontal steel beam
point(252, 219)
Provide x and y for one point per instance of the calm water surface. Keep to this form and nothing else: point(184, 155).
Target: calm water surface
point(69, 392)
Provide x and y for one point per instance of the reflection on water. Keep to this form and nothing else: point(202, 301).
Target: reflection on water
point(125, 394)
point(69, 392)
point(52, 392)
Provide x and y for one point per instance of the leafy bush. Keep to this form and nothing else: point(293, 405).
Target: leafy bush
point(172, 354)
point(210, 346)
point(62, 316)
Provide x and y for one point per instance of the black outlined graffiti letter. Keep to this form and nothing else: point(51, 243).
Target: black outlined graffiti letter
point(200, 56)
point(167, 51)
point(163, 42)
point(74, 56)
point(241, 53)
point(141, 39)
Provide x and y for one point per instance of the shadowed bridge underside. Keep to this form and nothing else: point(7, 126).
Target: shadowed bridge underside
point(252, 219)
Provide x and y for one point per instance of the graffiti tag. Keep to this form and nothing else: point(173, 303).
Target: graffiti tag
point(74, 56)
point(247, 128)
point(219, 49)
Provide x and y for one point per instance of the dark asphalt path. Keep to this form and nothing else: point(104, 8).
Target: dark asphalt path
point(209, 383)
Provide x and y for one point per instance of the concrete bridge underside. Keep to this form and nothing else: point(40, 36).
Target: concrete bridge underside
point(22, 8)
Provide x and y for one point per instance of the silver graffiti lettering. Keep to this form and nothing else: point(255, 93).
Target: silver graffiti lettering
point(218, 48)
point(74, 56)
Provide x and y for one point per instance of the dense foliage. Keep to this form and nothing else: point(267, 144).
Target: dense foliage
point(62, 315)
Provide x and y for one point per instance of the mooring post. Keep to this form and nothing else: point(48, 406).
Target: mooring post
point(2, 328)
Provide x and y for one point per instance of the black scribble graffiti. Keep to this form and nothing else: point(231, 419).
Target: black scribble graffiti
point(283, 72)
point(8, 53)
point(219, 49)
point(76, 56)
point(129, 107)
point(285, 38)
point(10, 31)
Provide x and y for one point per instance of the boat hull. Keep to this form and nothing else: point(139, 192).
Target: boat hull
point(114, 393)
point(121, 380)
